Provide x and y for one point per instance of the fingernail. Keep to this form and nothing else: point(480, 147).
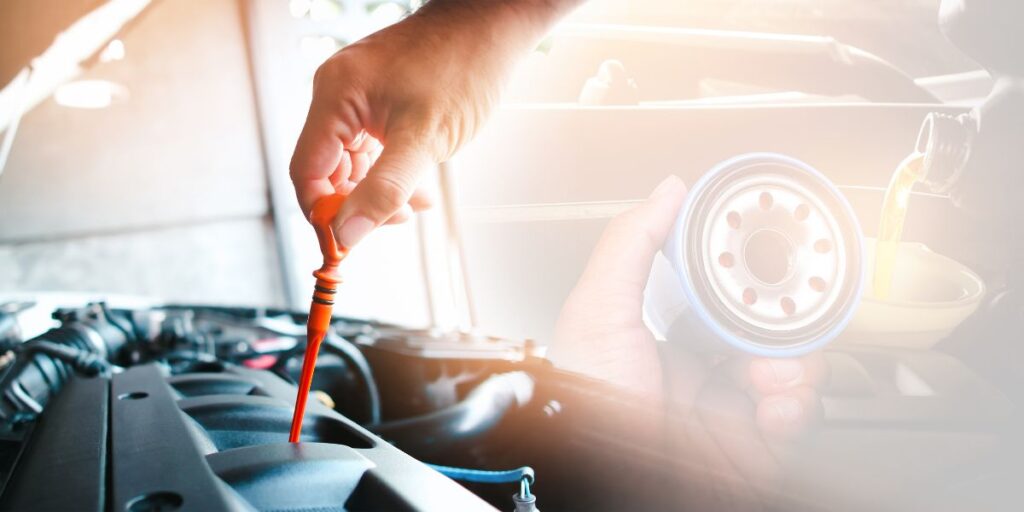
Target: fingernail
point(667, 185)
point(781, 372)
point(787, 409)
point(354, 230)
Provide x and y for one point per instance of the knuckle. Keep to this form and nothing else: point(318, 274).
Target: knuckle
point(295, 169)
point(323, 78)
point(389, 193)
point(297, 174)
point(334, 78)
point(393, 187)
point(331, 68)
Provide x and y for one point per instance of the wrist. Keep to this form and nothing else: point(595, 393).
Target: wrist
point(518, 25)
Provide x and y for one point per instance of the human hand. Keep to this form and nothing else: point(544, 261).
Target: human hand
point(388, 107)
point(729, 411)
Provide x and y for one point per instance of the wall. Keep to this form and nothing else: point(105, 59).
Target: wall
point(161, 194)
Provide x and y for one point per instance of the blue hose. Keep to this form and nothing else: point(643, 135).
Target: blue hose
point(486, 477)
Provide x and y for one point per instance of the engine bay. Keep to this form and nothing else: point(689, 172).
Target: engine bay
point(118, 397)
point(188, 407)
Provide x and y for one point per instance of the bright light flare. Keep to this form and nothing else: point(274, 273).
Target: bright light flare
point(89, 94)
point(298, 8)
point(386, 14)
point(324, 10)
point(113, 52)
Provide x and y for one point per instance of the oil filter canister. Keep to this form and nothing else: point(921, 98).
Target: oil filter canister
point(766, 256)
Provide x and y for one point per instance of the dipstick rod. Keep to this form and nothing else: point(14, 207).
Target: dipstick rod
point(319, 322)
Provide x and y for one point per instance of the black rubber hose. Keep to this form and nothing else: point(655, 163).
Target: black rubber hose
point(43, 364)
point(353, 358)
point(351, 353)
point(463, 423)
point(88, 363)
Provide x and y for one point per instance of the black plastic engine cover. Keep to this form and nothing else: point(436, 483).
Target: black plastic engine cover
point(212, 440)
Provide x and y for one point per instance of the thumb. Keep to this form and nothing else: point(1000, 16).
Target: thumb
point(387, 187)
point(622, 259)
point(600, 329)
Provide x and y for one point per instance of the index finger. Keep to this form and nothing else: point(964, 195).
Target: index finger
point(317, 154)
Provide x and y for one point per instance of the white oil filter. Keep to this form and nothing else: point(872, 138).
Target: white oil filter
point(766, 256)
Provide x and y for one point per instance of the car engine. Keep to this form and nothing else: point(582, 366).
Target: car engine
point(113, 399)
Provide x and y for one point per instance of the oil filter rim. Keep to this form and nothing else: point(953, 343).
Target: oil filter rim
point(676, 245)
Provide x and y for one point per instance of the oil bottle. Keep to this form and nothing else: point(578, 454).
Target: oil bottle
point(977, 158)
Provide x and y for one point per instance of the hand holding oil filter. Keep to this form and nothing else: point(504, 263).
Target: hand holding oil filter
point(320, 309)
point(766, 256)
point(738, 405)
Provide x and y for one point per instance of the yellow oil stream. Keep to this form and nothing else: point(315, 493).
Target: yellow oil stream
point(890, 231)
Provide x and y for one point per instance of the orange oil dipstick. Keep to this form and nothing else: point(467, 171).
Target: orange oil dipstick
point(319, 322)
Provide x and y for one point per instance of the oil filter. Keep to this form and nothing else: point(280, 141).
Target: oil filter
point(766, 255)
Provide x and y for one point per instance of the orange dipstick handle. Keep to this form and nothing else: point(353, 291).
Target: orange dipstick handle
point(319, 322)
